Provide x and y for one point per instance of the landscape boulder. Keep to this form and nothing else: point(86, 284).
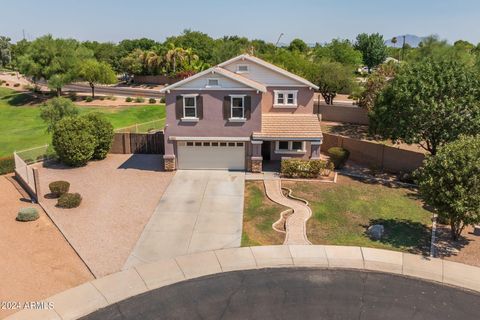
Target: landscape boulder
point(376, 231)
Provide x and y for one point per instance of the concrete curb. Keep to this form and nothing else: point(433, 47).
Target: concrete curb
point(91, 296)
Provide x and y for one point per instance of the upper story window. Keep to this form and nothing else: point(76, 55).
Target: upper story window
point(242, 68)
point(213, 83)
point(237, 110)
point(190, 106)
point(285, 98)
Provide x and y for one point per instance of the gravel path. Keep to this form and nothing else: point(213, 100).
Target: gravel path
point(296, 222)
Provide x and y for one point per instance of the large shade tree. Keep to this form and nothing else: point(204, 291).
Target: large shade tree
point(373, 48)
point(95, 72)
point(431, 102)
point(55, 60)
point(450, 183)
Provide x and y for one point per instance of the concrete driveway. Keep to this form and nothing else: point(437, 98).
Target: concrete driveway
point(200, 210)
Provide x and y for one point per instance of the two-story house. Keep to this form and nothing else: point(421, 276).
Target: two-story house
point(238, 113)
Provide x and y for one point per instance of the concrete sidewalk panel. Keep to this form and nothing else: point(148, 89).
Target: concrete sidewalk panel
point(236, 259)
point(199, 264)
point(272, 256)
point(383, 260)
point(309, 255)
point(422, 267)
point(161, 273)
point(121, 285)
point(461, 275)
point(344, 257)
point(79, 301)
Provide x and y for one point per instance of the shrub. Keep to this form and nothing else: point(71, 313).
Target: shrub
point(7, 165)
point(58, 188)
point(152, 100)
point(16, 85)
point(299, 168)
point(73, 140)
point(69, 200)
point(88, 99)
point(339, 156)
point(72, 96)
point(139, 100)
point(103, 131)
point(113, 98)
point(128, 99)
point(162, 100)
point(57, 109)
point(27, 214)
point(7, 84)
point(101, 98)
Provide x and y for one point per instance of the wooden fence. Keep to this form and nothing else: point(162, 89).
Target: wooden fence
point(375, 154)
point(126, 143)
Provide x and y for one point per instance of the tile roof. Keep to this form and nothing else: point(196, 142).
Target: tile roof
point(299, 126)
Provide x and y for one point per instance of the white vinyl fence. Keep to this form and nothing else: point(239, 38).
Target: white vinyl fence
point(25, 172)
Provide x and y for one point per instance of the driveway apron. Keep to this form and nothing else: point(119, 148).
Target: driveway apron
point(200, 210)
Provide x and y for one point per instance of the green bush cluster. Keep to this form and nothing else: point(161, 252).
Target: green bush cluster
point(338, 156)
point(77, 140)
point(27, 214)
point(128, 99)
point(58, 188)
point(152, 101)
point(88, 99)
point(16, 85)
point(69, 200)
point(139, 100)
point(299, 168)
point(162, 100)
point(7, 165)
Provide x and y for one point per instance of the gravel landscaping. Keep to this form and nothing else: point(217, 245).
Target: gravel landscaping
point(36, 260)
point(119, 194)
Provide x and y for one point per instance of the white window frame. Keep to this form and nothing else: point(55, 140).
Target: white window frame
point(290, 149)
point(285, 103)
point(185, 118)
point(213, 86)
point(243, 71)
point(237, 119)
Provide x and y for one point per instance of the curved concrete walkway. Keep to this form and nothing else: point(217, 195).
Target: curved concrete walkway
point(296, 229)
point(91, 296)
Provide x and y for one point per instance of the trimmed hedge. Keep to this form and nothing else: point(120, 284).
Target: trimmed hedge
point(299, 168)
point(339, 156)
point(27, 214)
point(7, 165)
point(128, 99)
point(69, 200)
point(103, 132)
point(58, 188)
point(152, 101)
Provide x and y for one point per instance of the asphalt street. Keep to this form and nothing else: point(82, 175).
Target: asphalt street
point(298, 294)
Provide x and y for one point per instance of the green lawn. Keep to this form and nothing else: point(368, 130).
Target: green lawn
point(258, 216)
point(21, 126)
point(343, 211)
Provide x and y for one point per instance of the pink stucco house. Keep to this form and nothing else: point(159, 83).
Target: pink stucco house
point(237, 114)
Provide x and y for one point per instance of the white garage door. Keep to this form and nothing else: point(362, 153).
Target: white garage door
point(211, 155)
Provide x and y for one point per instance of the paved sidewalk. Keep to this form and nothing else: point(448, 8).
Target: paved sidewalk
point(296, 223)
point(200, 210)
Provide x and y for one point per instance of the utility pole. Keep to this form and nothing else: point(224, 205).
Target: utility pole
point(278, 40)
point(403, 48)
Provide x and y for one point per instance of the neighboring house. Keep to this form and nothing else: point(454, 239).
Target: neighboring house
point(238, 113)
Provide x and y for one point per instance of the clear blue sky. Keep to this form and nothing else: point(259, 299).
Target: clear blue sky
point(313, 21)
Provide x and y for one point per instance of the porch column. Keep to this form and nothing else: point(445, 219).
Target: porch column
point(256, 159)
point(315, 149)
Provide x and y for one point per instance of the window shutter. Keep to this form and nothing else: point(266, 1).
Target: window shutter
point(179, 107)
point(226, 107)
point(199, 107)
point(248, 106)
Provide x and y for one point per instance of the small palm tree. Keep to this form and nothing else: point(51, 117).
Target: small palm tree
point(174, 56)
point(394, 41)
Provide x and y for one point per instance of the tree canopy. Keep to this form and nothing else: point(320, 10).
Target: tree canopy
point(373, 49)
point(449, 182)
point(431, 102)
point(95, 72)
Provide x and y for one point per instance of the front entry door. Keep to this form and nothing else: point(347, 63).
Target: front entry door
point(266, 150)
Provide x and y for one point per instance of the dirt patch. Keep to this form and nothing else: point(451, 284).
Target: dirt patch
point(119, 194)
point(465, 250)
point(36, 261)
